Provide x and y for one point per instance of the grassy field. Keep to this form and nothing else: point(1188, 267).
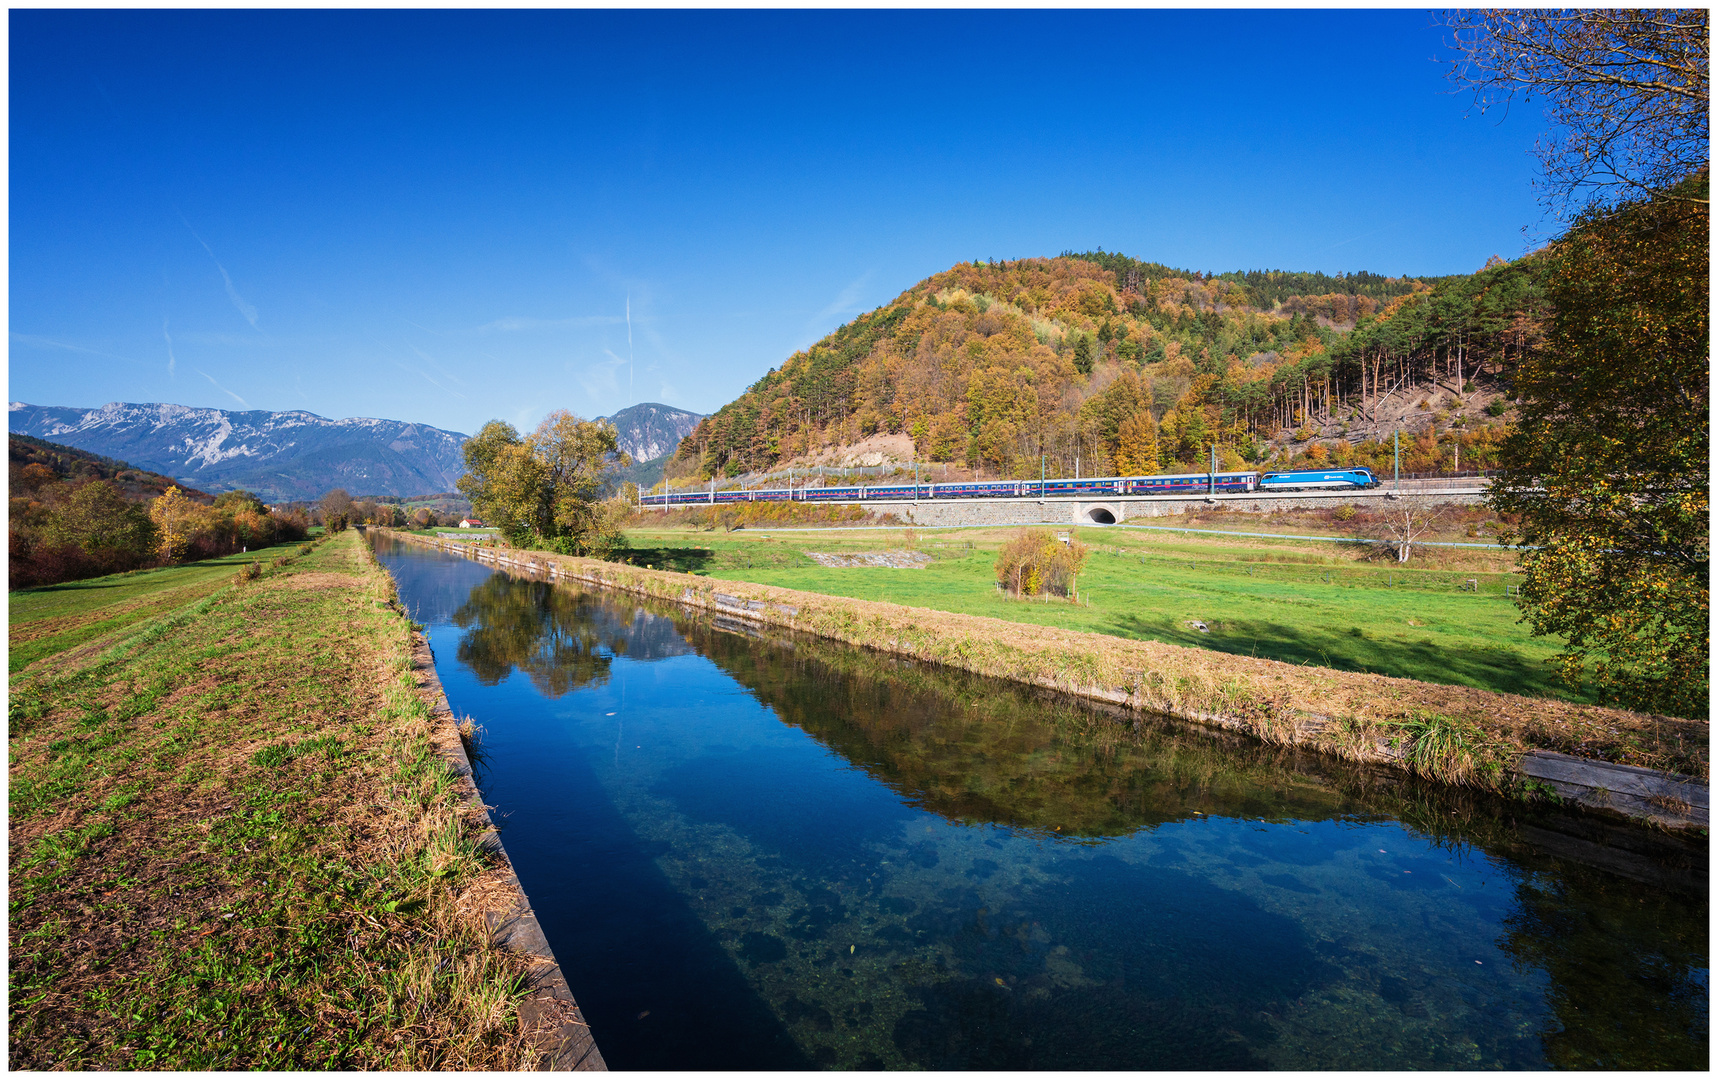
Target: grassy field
point(232, 843)
point(1311, 603)
point(52, 619)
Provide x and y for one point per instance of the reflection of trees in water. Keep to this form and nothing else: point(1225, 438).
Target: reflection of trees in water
point(563, 639)
point(531, 626)
point(975, 750)
point(1624, 958)
point(1627, 969)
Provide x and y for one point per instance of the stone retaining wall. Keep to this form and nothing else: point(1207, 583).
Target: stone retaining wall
point(1081, 511)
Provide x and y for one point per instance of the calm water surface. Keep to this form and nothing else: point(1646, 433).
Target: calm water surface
point(763, 851)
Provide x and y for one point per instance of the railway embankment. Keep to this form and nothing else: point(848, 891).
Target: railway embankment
point(1648, 768)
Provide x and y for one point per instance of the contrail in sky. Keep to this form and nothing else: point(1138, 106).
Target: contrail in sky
point(172, 362)
point(629, 344)
point(221, 388)
point(244, 307)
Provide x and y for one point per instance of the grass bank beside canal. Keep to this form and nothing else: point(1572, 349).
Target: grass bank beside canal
point(1446, 617)
point(232, 842)
point(1456, 734)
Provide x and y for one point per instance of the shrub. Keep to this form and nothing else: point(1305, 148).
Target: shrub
point(1035, 562)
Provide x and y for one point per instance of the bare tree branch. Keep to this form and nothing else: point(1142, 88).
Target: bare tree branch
point(1627, 92)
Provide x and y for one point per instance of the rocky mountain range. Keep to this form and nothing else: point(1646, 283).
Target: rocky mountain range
point(649, 430)
point(278, 455)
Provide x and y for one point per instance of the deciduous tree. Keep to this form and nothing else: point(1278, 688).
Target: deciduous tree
point(97, 518)
point(174, 516)
point(1608, 465)
point(545, 490)
point(1136, 445)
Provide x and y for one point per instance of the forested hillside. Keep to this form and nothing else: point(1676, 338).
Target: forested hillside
point(74, 514)
point(33, 462)
point(1137, 367)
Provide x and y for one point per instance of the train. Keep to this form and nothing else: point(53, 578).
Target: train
point(1097, 487)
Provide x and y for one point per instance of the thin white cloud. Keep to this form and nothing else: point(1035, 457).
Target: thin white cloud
point(245, 341)
point(172, 361)
point(847, 301)
point(515, 324)
point(245, 308)
point(439, 370)
point(221, 388)
point(425, 376)
point(600, 380)
point(39, 342)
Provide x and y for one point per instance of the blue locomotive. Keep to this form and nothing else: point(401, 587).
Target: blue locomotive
point(1318, 480)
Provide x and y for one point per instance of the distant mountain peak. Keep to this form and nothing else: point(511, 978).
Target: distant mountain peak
point(650, 429)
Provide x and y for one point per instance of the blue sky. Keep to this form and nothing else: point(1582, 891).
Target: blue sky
point(449, 217)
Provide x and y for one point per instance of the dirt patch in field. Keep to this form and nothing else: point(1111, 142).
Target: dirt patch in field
point(892, 560)
point(317, 580)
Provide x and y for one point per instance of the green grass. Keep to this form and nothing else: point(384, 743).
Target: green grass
point(1281, 600)
point(232, 845)
point(54, 618)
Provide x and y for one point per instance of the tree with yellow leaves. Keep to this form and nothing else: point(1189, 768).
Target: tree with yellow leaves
point(1136, 445)
point(175, 517)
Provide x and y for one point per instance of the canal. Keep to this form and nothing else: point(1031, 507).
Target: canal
point(751, 849)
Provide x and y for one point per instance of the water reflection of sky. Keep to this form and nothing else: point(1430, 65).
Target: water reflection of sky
point(747, 855)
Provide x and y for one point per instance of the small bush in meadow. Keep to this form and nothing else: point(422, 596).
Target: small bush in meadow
point(1035, 562)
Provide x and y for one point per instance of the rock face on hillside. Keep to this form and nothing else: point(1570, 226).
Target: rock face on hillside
point(649, 430)
point(277, 455)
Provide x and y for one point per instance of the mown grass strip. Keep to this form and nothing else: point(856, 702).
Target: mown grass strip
point(234, 845)
point(50, 620)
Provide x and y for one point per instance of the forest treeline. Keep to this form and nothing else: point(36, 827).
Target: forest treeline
point(76, 515)
point(1135, 367)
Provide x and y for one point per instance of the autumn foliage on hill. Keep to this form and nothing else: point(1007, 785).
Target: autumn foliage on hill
point(77, 515)
point(1136, 368)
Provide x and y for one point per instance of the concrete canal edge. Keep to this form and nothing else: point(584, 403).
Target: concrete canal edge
point(1663, 799)
point(548, 1015)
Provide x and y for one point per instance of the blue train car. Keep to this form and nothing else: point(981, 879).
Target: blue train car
point(1191, 483)
point(830, 494)
point(1318, 480)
